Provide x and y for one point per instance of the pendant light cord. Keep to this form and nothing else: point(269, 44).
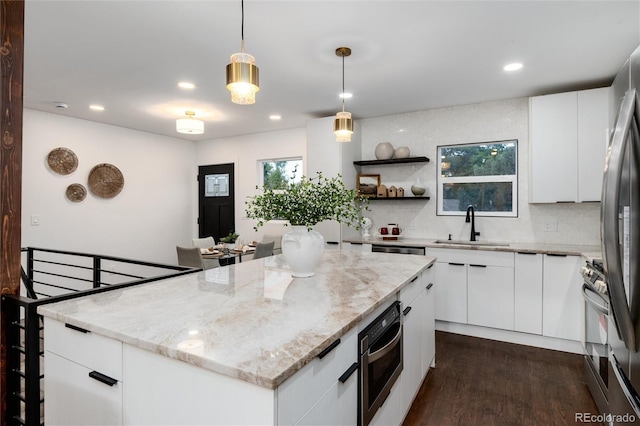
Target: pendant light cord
point(242, 27)
point(342, 83)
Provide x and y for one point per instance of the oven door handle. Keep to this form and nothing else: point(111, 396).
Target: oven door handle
point(373, 357)
point(597, 306)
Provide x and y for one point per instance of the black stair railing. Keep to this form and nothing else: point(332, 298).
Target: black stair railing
point(53, 276)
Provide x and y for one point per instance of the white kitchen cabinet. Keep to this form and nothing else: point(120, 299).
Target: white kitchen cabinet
point(451, 291)
point(314, 382)
point(593, 124)
point(73, 397)
point(428, 325)
point(413, 298)
point(332, 158)
point(562, 303)
point(490, 295)
point(338, 406)
point(528, 293)
point(83, 380)
point(567, 146)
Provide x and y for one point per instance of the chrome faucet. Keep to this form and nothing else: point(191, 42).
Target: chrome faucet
point(472, 218)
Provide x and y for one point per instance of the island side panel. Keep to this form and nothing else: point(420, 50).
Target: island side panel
point(162, 390)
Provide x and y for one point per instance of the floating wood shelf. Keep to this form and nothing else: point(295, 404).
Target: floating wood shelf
point(392, 161)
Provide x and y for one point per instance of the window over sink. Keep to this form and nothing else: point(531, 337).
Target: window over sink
point(484, 175)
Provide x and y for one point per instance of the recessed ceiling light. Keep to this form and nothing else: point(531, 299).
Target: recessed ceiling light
point(275, 117)
point(96, 107)
point(346, 95)
point(512, 67)
point(186, 85)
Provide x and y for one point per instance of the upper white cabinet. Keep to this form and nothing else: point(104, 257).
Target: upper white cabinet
point(332, 158)
point(568, 142)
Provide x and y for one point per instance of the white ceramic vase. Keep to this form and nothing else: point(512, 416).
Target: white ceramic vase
point(302, 250)
point(384, 151)
point(418, 189)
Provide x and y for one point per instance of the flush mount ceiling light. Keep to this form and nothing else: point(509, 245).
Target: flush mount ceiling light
point(190, 125)
point(343, 125)
point(242, 74)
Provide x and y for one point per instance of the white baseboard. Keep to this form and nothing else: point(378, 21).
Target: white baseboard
point(511, 337)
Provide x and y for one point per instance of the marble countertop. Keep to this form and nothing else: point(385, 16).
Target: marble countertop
point(588, 251)
point(251, 321)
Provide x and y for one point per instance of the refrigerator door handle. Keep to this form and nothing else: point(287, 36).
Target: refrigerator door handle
point(609, 229)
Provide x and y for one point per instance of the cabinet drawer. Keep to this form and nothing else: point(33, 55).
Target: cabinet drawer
point(411, 290)
point(73, 397)
point(88, 349)
point(301, 391)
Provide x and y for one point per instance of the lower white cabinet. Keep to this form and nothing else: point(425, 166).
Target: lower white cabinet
point(562, 303)
point(390, 413)
point(83, 377)
point(490, 296)
point(338, 406)
point(428, 325)
point(451, 291)
point(528, 293)
point(76, 398)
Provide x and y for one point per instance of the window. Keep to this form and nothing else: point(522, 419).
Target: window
point(275, 174)
point(484, 175)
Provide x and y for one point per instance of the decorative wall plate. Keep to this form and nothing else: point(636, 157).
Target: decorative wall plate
point(105, 180)
point(76, 192)
point(62, 161)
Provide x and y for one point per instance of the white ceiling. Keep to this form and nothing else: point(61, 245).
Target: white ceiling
point(407, 56)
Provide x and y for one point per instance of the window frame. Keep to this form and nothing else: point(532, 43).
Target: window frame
point(261, 163)
point(442, 181)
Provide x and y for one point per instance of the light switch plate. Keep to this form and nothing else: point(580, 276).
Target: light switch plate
point(35, 220)
point(551, 226)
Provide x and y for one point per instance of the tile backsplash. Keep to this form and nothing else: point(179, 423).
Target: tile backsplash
point(424, 131)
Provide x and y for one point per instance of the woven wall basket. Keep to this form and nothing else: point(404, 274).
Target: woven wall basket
point(76, 192)
point(105, 180)
point(63, 161)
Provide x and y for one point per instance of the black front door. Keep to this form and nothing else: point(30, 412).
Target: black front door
point(216, 213)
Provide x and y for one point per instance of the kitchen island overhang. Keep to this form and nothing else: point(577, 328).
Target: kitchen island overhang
point(250, 321)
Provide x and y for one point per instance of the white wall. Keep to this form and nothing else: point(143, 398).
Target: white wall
point(145, 221)
point(423, 131)
point(245, 152)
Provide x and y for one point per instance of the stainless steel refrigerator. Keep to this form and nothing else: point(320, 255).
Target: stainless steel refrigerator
point(620, 232)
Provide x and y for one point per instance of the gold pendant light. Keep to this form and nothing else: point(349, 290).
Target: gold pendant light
point(343, 124)
point(190, 125)
point(242, 74)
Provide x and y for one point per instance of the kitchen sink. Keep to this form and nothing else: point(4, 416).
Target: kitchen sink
point(472, 243)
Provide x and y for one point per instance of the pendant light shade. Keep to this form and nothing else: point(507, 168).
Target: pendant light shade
point(242, 74)
point(343, 127)
point(343, 124)
point(190, 125)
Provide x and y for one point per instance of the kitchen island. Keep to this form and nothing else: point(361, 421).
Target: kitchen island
point(213, 347)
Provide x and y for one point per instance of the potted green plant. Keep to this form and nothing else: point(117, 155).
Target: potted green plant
point(303, 205)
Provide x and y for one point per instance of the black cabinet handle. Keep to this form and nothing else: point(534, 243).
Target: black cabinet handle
point(333, 242)
point(356, 244)
point(73, 327)
point(556, 255)
point(478, 266)
point(429, 286)
point(103, 378)
point(456, 264)
point(345, 376)
point(328, 349)
point(406, 310)
point(527, 252)
point(430, 266)
point(414, 278)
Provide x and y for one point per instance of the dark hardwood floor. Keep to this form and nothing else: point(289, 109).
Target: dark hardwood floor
point(484, 382)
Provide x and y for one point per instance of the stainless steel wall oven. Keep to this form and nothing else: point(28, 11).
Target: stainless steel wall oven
point(380, 348)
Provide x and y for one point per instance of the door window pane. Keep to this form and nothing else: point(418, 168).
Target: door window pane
point(216, 185)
